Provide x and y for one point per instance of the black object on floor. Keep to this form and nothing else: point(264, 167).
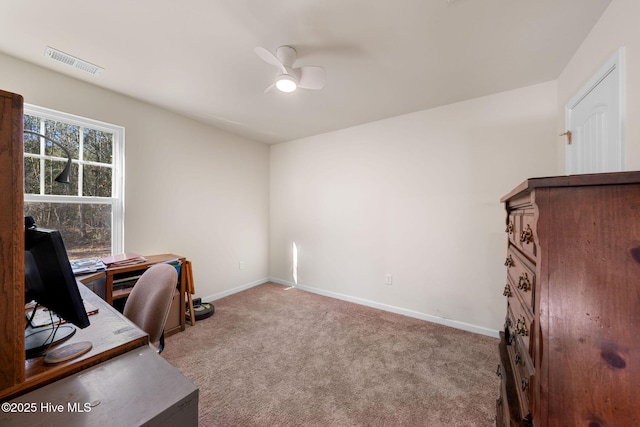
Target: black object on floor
point(202, 311)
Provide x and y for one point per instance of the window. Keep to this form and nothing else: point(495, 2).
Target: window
point(89, 212)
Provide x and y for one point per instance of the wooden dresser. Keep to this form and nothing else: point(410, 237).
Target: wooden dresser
point(570, 348)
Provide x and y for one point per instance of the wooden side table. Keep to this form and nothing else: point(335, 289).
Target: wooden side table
point(176, 319)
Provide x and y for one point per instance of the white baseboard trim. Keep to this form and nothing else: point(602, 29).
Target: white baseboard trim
point(235, 290)
point(410, 313)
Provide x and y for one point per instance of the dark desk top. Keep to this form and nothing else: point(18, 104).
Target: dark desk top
point(110, 333)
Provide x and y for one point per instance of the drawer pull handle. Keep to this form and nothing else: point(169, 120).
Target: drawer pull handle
point(524, 384)
point(509, 228)
point(499, 402)
point(507, 323)
point(507, 291)
point(518, 358)
point(508, 262)
point(523, 282)
point(526, 235)
point(521, 327)
point(499, 372)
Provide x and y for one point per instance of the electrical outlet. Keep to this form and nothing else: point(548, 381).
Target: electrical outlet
point(241, 265)
point(388, 279)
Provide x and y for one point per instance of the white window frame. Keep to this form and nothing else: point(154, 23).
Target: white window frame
point(117, 177)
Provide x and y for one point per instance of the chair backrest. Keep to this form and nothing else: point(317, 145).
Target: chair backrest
point(150, 299)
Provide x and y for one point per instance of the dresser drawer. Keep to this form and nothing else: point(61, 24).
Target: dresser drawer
point(521, 226)
point(524, 232)
point(513, 299)
point(518, 323)
point(508, 404)
point(523, 371)
point(522, 275)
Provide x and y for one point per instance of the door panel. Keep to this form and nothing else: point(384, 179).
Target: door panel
point(594, 118)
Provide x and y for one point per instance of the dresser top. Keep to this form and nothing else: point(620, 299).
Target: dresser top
point(613, 178)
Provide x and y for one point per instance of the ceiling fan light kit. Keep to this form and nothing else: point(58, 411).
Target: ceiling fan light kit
point(286, 83)
point(289, 78)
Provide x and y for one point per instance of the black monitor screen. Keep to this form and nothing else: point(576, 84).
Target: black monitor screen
point(49, 279)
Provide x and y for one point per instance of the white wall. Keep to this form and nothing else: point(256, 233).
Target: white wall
point(415, 196)
point(617, 27)
point(190, 189)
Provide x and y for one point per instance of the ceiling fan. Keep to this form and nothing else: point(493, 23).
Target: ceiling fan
point(289, 78)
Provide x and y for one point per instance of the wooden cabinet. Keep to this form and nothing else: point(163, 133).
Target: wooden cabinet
point(569, 352)
point(117, 296)
point(11, 242)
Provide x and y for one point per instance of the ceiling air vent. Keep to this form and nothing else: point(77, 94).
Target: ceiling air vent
point(72, 61)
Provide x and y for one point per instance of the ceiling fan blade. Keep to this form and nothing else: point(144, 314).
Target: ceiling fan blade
point(269, 58)
point(312, 77)
point(269, 87)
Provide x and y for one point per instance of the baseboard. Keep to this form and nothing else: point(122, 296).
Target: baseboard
point(410, 313)
point(235, 290)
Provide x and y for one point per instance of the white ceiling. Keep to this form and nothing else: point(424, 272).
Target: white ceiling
point(383, 58)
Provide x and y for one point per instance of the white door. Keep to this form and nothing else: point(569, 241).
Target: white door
point(595, 119)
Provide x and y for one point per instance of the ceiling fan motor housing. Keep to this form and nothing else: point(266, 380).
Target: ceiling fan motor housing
point(286, 55)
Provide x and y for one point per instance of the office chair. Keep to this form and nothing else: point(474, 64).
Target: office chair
point(150, 299)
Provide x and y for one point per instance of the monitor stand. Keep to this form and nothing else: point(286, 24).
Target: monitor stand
point(38, 340)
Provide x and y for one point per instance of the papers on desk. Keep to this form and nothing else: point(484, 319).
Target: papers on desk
point(87, 265)
point(123, 259)
point(45, 317)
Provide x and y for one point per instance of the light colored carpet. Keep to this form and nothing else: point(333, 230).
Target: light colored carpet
point(277, 356)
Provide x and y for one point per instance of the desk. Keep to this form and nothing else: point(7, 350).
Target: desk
point(134, 389)
point(110, 333)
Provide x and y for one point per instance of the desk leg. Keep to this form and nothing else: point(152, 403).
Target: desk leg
point(108, 289)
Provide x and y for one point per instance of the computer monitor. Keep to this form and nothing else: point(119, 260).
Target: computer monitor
point(49, 281)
